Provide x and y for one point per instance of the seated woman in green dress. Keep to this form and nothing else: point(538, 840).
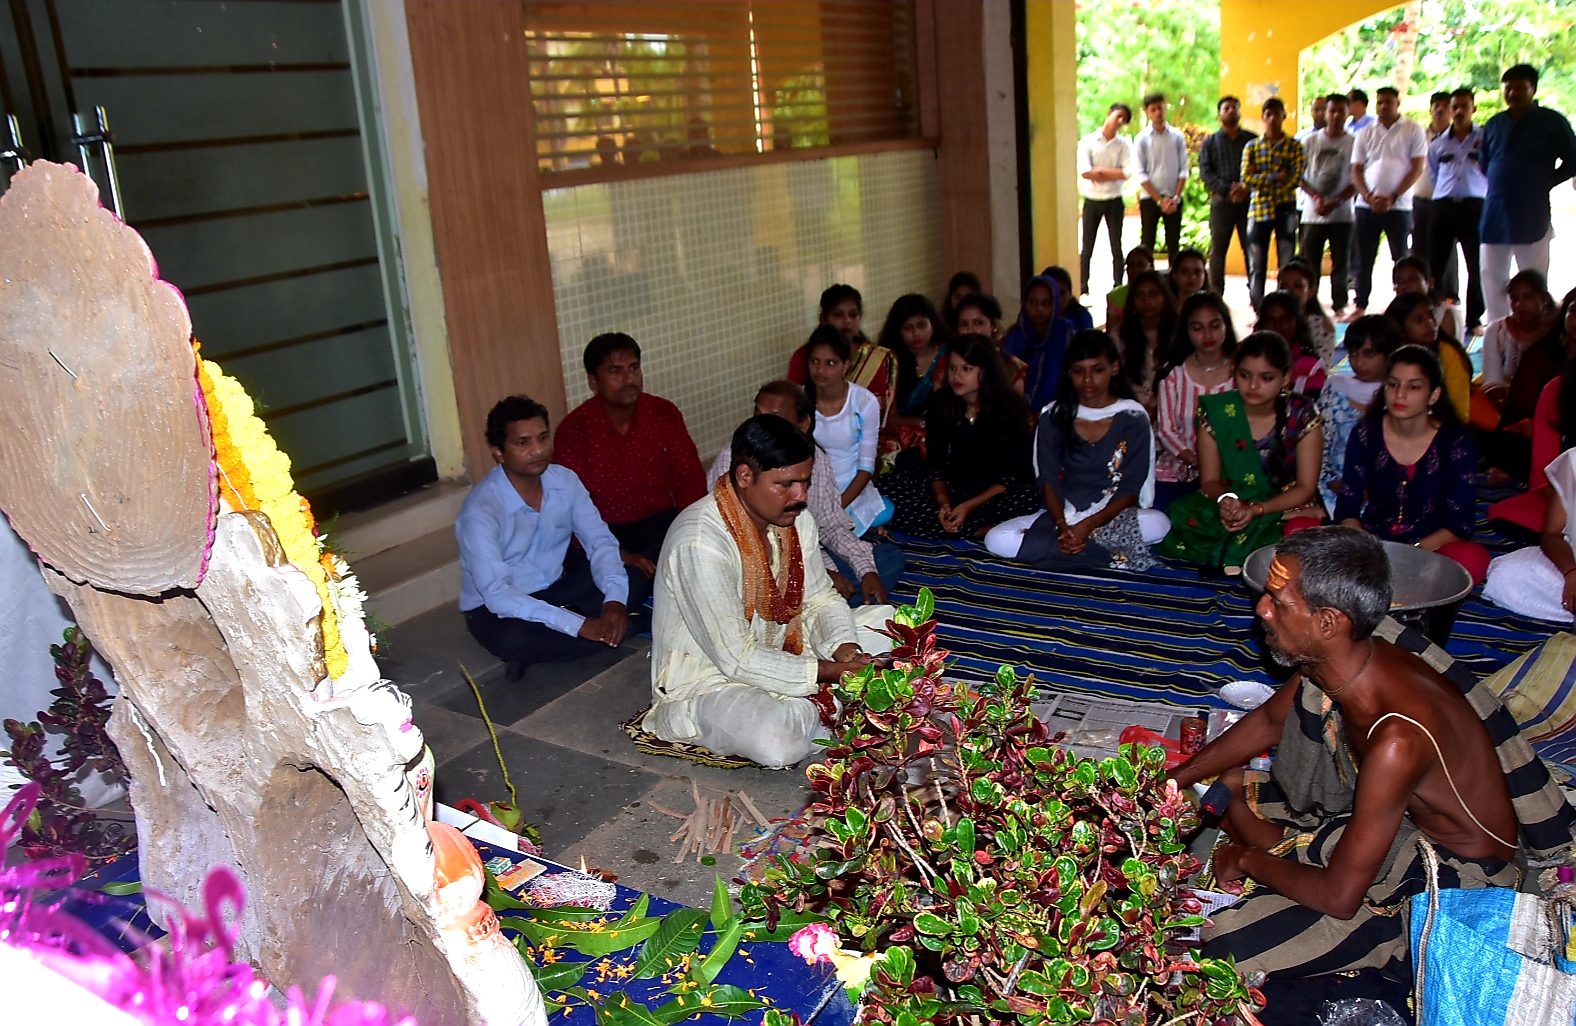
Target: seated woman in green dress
point(1259, 448)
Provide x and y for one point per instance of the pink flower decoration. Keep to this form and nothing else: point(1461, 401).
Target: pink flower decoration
point(815, 943)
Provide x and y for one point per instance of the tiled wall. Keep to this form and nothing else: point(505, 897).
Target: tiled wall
point(718, 274)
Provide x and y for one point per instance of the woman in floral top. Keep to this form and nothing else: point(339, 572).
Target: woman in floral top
point(1409, 466)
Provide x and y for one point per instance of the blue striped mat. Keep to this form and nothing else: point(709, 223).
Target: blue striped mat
point(1165, 635)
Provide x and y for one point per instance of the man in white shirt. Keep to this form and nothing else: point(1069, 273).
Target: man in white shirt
point(1104, 156)
point(1387, 160)
point(748, 632)
point(1327, 192)
point(1160, 168)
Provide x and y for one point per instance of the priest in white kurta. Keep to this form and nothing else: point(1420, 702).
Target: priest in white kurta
point(748, 632)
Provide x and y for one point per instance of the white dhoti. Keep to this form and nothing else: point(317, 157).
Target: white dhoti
point(774, 730)
point(724, 681)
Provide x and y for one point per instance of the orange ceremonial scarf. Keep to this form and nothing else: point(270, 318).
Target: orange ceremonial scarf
point(778, 597)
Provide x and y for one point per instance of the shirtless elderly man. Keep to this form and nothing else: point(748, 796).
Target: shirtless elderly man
point(1333, 884)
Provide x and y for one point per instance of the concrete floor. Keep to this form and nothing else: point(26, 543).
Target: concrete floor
point(578, 777)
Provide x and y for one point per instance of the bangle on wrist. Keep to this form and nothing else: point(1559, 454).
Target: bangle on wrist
point(1258, 509)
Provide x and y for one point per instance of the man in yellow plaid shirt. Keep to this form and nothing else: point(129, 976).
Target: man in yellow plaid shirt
point(1272, 168)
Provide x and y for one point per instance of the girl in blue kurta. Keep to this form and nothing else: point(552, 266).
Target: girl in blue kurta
point(1409, 466)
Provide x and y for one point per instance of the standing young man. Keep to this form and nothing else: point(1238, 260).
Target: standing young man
point(1459, 188)
point(1160, 168)
point(1327, 191)
point(1220, 166)
point(1272, 168)
point(1104, 157)
point(1357, 107)
point(1527, 150)
point(1316, 122)
point(1423, 196)
point(1387, 160)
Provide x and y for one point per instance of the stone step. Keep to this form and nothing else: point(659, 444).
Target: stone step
point(412, 577)
point(369, 532)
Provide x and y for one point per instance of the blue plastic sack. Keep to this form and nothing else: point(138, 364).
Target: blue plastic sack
point(1488, 959)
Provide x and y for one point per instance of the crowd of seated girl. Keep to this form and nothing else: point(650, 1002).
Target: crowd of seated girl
point(1165, 435)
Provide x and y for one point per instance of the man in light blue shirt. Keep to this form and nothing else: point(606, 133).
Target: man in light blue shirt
point(526, 595)
point(1459, 188)
point(1160, 169)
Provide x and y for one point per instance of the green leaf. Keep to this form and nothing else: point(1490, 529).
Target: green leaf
point(1033, 982)
point(559, 976)
point(721, 905)
point(535, 932)
point(673, 1012)
point(929, 922)
point(898, 963)
point(730, 1002)
point(965, 829)
point(678, 935)
point(622, 1010)
point(788, 924)
point(856, 821)
point(927, 605)
point(1006, 677)
point(498, 899)
point(727, 944)
point(616, 938)
point(122, 888)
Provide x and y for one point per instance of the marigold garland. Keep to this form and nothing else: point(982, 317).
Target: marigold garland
point(255, 475)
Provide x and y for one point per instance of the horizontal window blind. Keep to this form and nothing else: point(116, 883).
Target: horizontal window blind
point(628, 83)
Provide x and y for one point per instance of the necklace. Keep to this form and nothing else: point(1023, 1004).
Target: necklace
point(1210, 368)
point(1372, 648)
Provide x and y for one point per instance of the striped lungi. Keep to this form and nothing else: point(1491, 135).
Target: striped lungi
point(1268, 931)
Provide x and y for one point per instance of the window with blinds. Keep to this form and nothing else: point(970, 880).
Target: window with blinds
point(631, 83)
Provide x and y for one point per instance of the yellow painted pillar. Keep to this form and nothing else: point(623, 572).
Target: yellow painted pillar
point(1051, 42)
point(1261, 43)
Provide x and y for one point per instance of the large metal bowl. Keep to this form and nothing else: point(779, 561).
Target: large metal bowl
point(1429, 588)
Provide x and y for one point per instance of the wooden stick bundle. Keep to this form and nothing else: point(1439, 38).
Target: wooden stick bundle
point(710, 829)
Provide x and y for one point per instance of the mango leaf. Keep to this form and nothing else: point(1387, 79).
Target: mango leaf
point(615, 938)
point(122, 888)
point(727, 944)
point(559, 976)
point(730, 1002)
point(622, 1010)
point(498, 899)
point(678, 935)
point(721, 906)
point(788, 924)
point(537, 933)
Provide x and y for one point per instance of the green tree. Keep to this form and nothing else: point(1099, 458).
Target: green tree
point(1127, 49)
point(1459, 43)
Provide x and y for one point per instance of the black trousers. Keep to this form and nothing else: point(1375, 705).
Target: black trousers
point(1339, 236)
point(1225, 217)
point(1453, 221)
point(1150, 217)
point(1094, 211)
point(525, 641)
point(1396, 226)
point(1444, 273)
point(644, 537)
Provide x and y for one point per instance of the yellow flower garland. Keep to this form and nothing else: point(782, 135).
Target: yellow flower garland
point(255, 475)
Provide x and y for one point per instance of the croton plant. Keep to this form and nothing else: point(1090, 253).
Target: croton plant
point(1002, 878)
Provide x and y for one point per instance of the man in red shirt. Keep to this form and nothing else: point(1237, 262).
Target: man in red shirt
point(631, 450)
